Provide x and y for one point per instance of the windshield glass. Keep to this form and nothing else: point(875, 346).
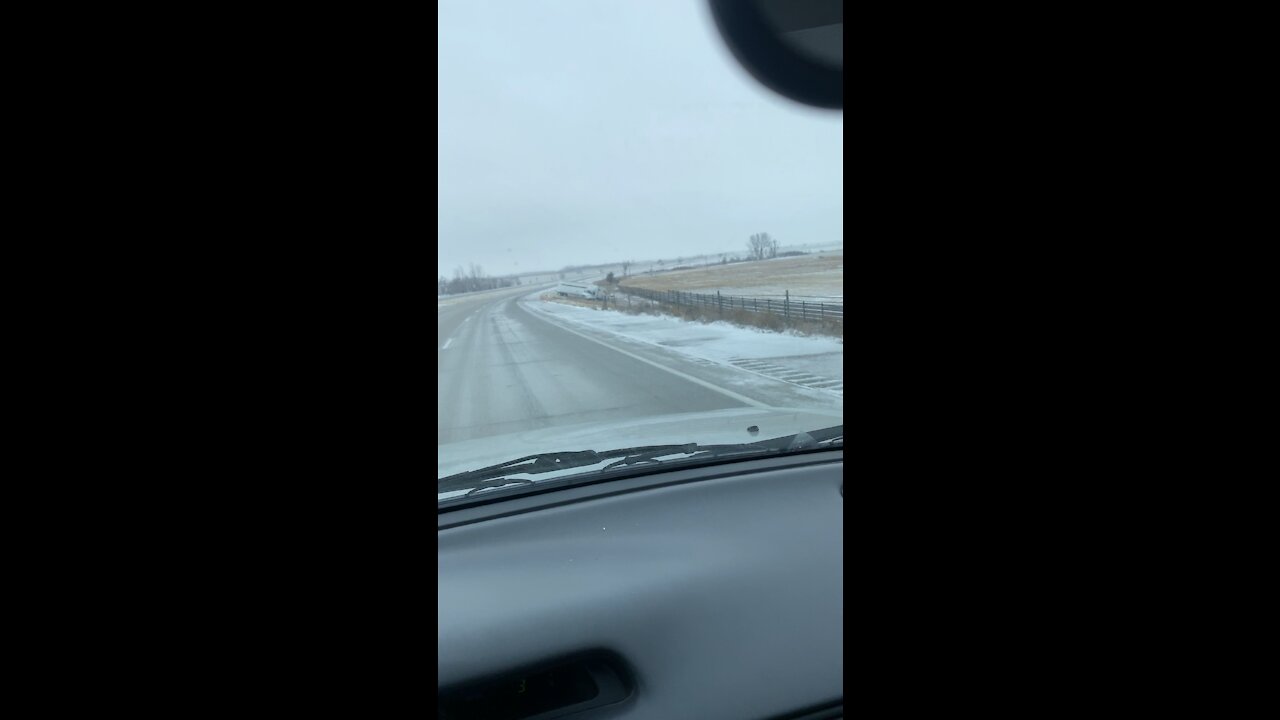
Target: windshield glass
point(640, 248)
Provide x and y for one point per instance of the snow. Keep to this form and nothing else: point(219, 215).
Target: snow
point(718, 342)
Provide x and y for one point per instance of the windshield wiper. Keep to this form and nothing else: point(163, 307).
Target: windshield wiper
point(800, 441)
point(542, 463)
point(496, 476)
point(493, 484)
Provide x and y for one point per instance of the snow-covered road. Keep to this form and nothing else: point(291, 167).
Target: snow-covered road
point(509, 362)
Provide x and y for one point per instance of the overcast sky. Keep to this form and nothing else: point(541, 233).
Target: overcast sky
point(592, 131)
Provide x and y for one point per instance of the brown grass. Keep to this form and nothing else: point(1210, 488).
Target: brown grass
point(820, 274)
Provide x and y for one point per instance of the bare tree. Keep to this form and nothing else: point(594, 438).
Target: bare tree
point(626, 264)
point(476, 279)
point(760, 246)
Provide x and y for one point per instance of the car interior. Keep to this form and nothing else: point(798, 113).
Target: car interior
point(667, 591)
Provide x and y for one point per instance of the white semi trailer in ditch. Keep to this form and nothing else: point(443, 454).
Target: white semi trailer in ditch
point(578, 290)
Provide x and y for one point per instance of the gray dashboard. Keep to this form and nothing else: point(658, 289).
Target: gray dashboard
point(718, 593)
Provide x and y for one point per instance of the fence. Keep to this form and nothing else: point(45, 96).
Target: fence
point(788, 307)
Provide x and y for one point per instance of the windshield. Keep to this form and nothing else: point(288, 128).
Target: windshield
point(640, 248)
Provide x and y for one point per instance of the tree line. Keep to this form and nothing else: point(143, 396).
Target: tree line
point(472, 279)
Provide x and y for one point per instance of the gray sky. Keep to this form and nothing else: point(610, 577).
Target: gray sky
point(592, 131)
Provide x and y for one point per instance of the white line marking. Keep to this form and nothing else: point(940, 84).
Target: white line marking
point(715, 388)
point(447, 343)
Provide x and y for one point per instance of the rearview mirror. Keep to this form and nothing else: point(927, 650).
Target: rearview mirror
point(794, 47)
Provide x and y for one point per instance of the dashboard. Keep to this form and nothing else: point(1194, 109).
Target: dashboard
point(700, 593)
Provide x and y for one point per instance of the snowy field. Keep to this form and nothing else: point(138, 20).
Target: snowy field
point(718, 342)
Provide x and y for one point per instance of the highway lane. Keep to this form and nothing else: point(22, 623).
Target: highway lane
point(504, 369)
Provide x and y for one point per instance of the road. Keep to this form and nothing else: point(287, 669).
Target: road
point(504, 369)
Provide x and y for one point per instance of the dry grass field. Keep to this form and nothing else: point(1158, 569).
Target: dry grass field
point(819, 275)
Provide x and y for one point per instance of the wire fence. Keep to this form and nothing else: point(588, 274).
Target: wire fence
point(789, 307)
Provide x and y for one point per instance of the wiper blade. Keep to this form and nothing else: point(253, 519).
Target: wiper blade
point(641, 456)
point(799, 441)
point(496, 476)
point(532, 464)
point(492, 484)
point(545, 463)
